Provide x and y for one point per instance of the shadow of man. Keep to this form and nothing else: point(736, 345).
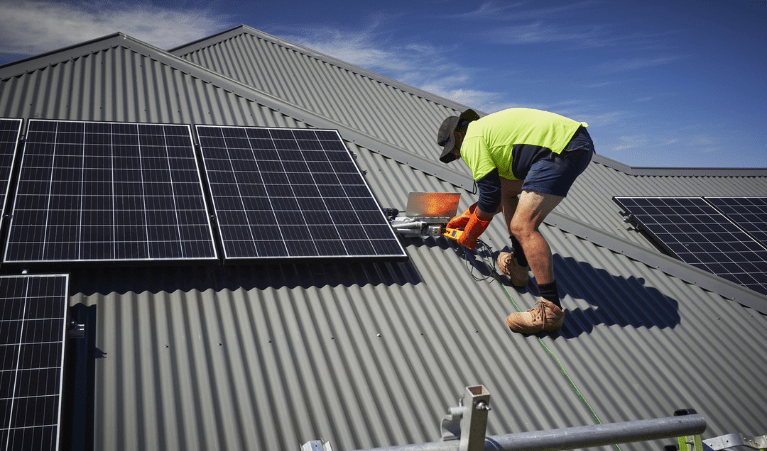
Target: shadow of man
point(614, 300)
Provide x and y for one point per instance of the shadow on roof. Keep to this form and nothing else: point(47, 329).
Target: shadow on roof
point(234, 277)
point(614, 300)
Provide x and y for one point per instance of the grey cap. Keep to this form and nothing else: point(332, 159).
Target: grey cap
point(446, 135)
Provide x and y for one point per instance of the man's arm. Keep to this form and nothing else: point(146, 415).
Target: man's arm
point(477, 218)
point(489, 194)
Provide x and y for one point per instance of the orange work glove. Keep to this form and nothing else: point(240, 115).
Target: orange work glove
point(460, 221)
point(474, 228)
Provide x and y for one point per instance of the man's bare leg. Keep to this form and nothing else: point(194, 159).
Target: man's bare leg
point(547, 315)
point(517, 272)
point(533, 207)
point(510, 189)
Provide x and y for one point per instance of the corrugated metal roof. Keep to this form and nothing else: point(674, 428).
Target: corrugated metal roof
point(372, 355)
point(363, 355)
point(118, 79)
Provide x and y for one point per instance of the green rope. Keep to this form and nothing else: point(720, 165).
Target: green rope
point(540, 340)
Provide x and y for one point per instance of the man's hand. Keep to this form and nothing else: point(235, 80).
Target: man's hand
point(476, 226)
point(460, 221)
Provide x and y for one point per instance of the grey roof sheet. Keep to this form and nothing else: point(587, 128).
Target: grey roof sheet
point(268, 357)
point(372, 355)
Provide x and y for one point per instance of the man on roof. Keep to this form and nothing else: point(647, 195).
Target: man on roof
point(524, 161)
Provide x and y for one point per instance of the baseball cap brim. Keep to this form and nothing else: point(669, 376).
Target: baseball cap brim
point(446, 135)
point(446, 138)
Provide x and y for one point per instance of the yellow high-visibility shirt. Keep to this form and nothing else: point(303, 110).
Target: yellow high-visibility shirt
point(509, 139)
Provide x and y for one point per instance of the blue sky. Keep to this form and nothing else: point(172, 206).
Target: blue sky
point(661, 83)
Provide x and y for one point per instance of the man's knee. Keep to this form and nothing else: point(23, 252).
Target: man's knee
point(520, 228)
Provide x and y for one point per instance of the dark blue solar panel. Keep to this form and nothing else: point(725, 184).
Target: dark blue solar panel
point(9, 137)
point(97, 191)
point(700, 235)
point(750, 213)
point(290, 193)
point(32, 334)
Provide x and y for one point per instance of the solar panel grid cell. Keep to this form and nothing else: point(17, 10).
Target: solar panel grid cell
point(32, 328)
point(703, 237)
point(285, 193)
point(750, 213)
point(108, 191)
point(10, 129)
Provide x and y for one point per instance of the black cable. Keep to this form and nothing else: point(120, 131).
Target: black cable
point(487, 250)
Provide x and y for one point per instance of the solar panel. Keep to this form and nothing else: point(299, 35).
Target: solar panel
point(32, 331)
point(100, 191)
point(701, 236)
point(9, 137)
point(292, 193)
point(750, 213)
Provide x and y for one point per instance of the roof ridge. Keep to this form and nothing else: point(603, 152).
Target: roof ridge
point(245, 29)
point(679, 171)
point(34, 62)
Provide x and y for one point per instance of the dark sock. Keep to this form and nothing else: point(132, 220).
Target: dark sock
point(519, 254)
point(549, 292)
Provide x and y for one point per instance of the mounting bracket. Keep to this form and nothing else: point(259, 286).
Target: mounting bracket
point(468, 423)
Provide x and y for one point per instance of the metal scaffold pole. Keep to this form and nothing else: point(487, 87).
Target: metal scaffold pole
point(578, 437)
point(463, 429)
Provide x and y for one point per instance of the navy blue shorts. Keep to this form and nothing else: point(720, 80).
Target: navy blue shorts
point(556, 173)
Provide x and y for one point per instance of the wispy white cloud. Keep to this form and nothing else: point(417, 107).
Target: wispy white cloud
point(673, 141)
point(494, 10)
point(655, 97)
point(540, 32)
point(602, 118)
point(428, 67)
point(623, 65)
point(602, 84)
point(424, 66)
point(530, 23)
point(584, 35)
point(364, 48)
point(640, 143)
point(489, 10)
point(434, 68)
point(630, 142)
point(489, 102)
point(32, 27)
point(704, 143)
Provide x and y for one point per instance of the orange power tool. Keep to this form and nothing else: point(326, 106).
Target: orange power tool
point(453, 233)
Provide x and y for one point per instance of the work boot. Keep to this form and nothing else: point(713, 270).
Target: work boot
point(509, 266)
point(544, 317)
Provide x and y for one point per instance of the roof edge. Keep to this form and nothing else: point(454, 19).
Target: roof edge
point(207, 40)
point(245, 29)
point(32, 63)
point(664, 263)
point(681, 171)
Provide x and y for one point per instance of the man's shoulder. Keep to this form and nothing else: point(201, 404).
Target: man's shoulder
point(523, 118)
